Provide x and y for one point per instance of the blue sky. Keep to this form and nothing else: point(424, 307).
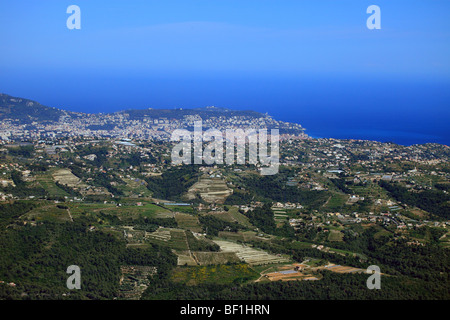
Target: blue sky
point(292, 57)
point(295, 37)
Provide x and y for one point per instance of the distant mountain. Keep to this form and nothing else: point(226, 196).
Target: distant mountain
point(34, 115)
point(26, 111)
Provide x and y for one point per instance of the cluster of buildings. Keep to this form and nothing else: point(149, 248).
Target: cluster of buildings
point(122, 125)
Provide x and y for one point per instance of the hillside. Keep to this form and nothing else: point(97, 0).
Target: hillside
point(26, 111)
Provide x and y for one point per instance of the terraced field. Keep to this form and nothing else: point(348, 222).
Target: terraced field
point(185, 258)
point(177, 239)
point(135, 186)
point(161, 234)
point(65, 176)
point(188, 222)
point(212, 190)
point(47, 182)
point(250, 255)
point(233, 215)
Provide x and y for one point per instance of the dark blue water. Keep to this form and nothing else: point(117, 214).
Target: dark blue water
point(406, 113)
point(403, 111)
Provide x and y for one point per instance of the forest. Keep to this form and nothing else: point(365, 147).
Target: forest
point(173, 183)
point(432, 201)
point(36, 259)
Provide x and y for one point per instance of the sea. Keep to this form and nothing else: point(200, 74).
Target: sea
point(404, 110)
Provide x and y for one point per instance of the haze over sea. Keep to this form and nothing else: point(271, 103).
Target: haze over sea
point(311, 62)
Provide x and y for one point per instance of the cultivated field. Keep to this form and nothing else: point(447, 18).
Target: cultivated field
point(243, 236)
point(65, 176)
point(232, 215)
point(176, 241)
point(250, 255)
point(212, 190)
point(185, 258)
point(161, 234)
point(217, 274)
point(207, 258)
point(135, 186)
point(134, 281)
point(188, 222)
point(335, 235)
point(341, 269)
point(47, 182)
point(288, 275)
point(125, 211)
point(49, 213)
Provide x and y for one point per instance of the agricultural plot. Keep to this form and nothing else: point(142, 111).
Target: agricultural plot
point(301, 245)
point(152, 210)
point(66, 177)
point(232, 215)
point(185, 258)
point(234, 236)
point(335, 235)
point(239, 217)
point(188, 222)
point(209, 258)
point(134, 281)
point(49, 213)
point(280, 217)
point(161, 234)
point(341, 269)
point(222, 215)
point(125, 211)
point(133, 236)
point(374, 191)
point(243, 236)
point(445, 240)
point(180, 208)
point(212, 190)
point(280, 214)
point(46, 181)
point(91, 208)
point(177, 240)
point(418, 213)
point(289, 272)
point(336, 202)
point(220, 274)
point(288, 275)
point(250, 255)
point(135, 186)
